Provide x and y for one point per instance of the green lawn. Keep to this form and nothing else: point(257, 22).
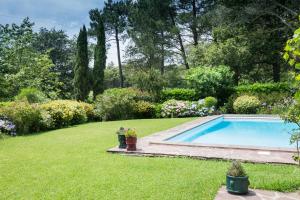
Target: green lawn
point(72, 163)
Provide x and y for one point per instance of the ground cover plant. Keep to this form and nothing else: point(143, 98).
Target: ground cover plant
point(72, 163)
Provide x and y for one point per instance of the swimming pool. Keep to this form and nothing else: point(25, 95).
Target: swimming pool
point(239, 131)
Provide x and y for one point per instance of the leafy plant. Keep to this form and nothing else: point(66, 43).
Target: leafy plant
point(144, 109)
point(130, 133)
point(293, 116)
point(26, 117)
point(118, 103)
point(236, 170)
point(121, 131)
point(246, 104)
point(210, 102)
point(32, 95)
point(179, 94)
point(211, 81)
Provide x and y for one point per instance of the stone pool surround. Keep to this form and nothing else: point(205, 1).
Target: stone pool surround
point(155, 145)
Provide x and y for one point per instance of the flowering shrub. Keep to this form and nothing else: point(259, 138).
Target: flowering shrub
point(174, 108)
point(61, 113)
point(7, 127)
point(144, 109)
point(26, 117)
point(246, 104)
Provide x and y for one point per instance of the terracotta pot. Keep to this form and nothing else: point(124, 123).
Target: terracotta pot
point(131, 143)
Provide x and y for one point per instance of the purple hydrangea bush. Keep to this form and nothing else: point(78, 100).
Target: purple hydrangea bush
point(7, 127)
point(174, 108)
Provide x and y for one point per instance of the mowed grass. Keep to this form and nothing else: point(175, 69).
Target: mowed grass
point(72, 163)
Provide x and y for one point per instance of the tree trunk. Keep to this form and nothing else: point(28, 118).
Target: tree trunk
point(236, 76)
point(119, 58)
point(182, 50)
point(276, 71)
point(162, 64)
point(194, 23)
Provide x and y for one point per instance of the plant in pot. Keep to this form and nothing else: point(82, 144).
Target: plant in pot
point(121, 138)
point(237, 181)
point(131, 139)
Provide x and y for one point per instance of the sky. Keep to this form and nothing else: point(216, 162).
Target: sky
point(67, 15)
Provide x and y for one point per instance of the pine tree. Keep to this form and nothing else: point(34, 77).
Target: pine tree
point(97, 29)
point(81, 71)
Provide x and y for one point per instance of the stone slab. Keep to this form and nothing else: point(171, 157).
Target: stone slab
point(257, 195)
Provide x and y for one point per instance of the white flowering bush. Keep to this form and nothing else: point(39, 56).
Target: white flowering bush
point(174, 108)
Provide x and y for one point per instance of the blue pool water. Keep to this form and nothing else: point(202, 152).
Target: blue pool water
point(250, 132)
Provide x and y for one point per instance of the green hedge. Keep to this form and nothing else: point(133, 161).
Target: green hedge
point(264, 88)
point(30, 118)
point(179, 94)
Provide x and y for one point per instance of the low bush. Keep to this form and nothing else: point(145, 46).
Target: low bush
point(174, 108)
point(32, 95)
point(210, 102)
point(179, 94)
point(118, 103)
point(60, 113)
point(26, 117)
point(144, 109)
point(211, 81)
point(246, 104)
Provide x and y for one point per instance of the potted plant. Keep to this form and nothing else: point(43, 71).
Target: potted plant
point(131, 139)
point(237, 181)
point(121, 138)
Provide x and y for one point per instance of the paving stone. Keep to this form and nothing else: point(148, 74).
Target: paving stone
point(257, 195)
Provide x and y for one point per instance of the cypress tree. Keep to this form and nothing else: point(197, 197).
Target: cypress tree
point(81, 71)
point(97, 26)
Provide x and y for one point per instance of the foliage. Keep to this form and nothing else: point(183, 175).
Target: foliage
point(147, 80)
point(211, 81)
point(118, 103)
point(210, 102)
point(264, 88)
point(121, 131)
point(22, 65)
point(81, 71)
point(174, 108)
point(130, 133)
point(61, 50)
point(97, 28)
point(179, 94)
point(292, 50)
point(293, 116)
point(32, 95)
point(144, 109)
point(246, 104)
point(236, 170)
point(60, 113)
point(25, 116)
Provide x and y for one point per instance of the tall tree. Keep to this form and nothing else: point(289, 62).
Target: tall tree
point(150, 30)
point(62, 53)
point(97, 29)
point(115, 13)
point(81, 78)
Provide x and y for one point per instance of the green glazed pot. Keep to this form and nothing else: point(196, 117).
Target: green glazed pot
point(237, 185)
point(122, 141)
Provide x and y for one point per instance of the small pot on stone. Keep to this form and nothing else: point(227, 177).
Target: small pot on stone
point(121, 138)
point(131, 139)
point(237, 181)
